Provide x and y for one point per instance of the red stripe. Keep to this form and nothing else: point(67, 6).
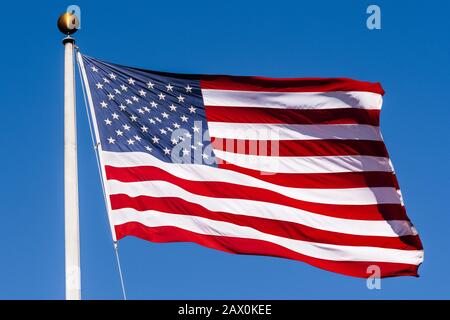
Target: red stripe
point(287, 84)
point(291, 230)
point(339, 180)
point(259, 247)
point(293, 116)
point(301, 148)
point(235, 191)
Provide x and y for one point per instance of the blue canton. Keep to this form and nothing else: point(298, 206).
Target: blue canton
point(142, 111)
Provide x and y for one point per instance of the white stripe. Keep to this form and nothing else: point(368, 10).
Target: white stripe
point(161, 189)
point(194, 172)
point(325, 251)
point(257, 131)
point(326, 164)
point(292, 100)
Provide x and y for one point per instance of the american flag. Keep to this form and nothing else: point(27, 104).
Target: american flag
point(292, 168)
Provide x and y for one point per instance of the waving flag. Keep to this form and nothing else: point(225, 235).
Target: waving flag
point(292, 168)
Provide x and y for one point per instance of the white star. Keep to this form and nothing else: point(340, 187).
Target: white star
point(123, 87)
point(188, 88)
point(150, 85)
point(135, 98)
point(180, 98)
point(130, 141)
point(184, 118)
point(108, 122)
point(174, 141)
point(115, 116)
point(148, 148)
point(163, 131)
point(192, 109)
point(166, 150)
point(157, 119)
point(146, 109)
point(137, 138)
point(110, 96)
point(176, 125)
point(106, 80)
point(112, 76)
point(142, 93)
point(117, 91)
point(200, 144)
point(126, 127)
point(103, 104)
point(122, 107)
point(193, 147)
point(151, 121)
point(119, 133)
point(99, 85)
point(144, 129)
point(141, 111)
point(165, 115)
point(155, 139)
point(94, 69)
point(204, 156)
point(162, 96)
point(128, 101)
point(170, 129)
point(131, 81)
point(196, 129)
point(133, 118)
point(111, 140)
point(172, 107)
point(188, 135)
point(169, 87)
point(153, 104)
point(185, 152)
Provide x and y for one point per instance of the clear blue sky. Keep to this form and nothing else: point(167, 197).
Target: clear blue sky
point(410, 56)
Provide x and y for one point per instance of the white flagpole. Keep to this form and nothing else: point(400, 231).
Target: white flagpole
point(72, 236)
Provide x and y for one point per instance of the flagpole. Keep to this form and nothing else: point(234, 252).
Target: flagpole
point(72, 235)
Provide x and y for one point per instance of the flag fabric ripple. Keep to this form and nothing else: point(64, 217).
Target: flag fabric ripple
point(291, 168)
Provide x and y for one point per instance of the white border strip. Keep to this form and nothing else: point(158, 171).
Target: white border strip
point(98, 144)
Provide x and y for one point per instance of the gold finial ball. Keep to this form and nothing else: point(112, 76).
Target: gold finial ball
point(68, 23)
